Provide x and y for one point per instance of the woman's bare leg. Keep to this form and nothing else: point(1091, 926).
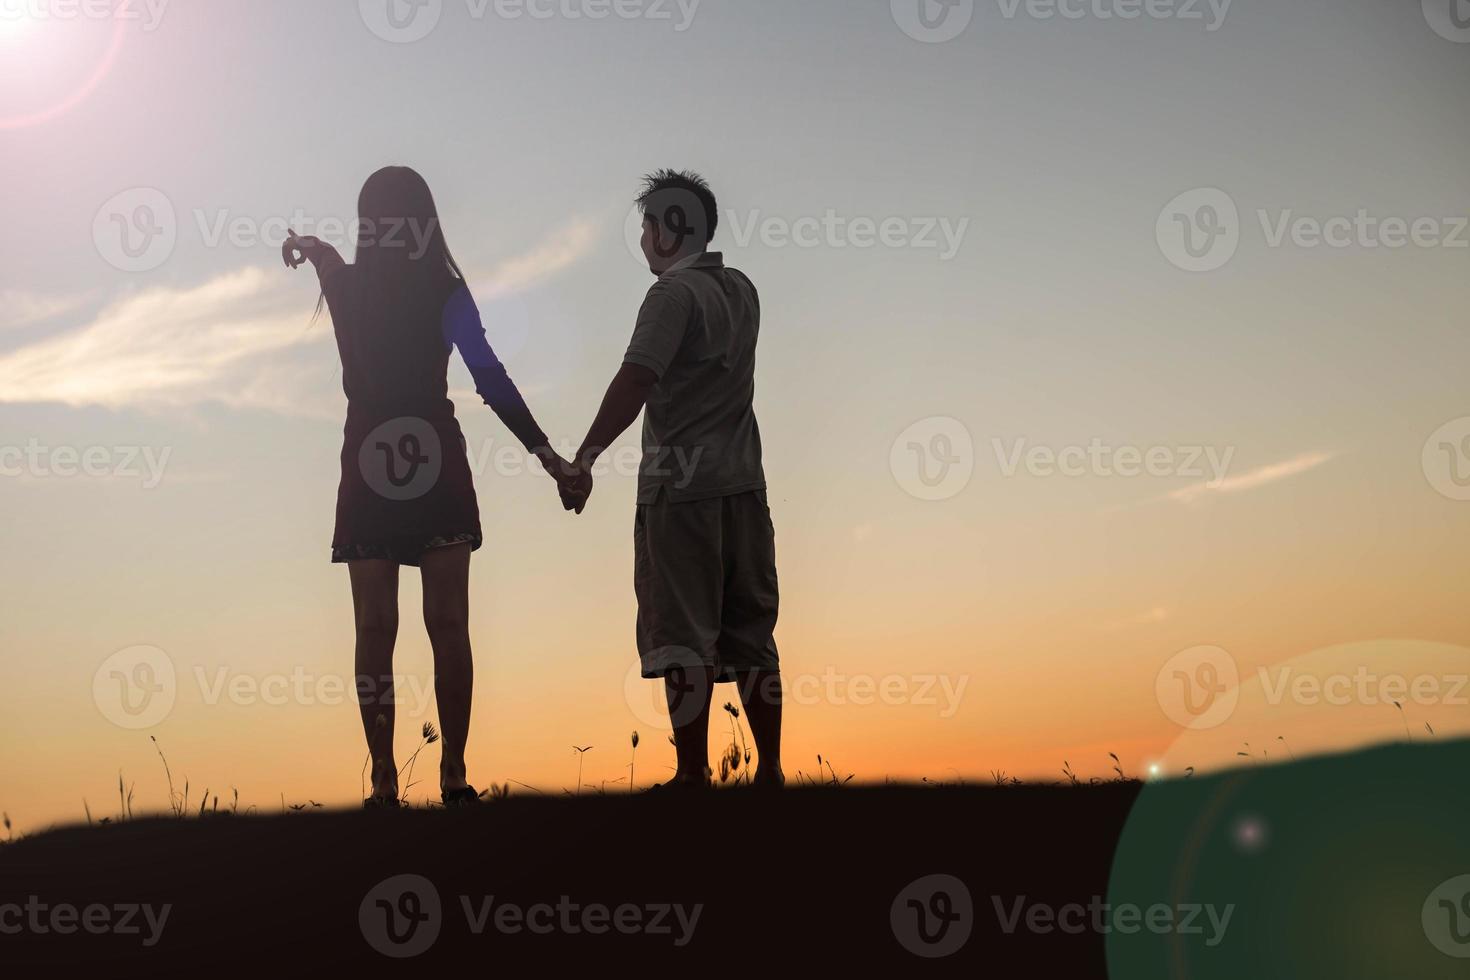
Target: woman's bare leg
point(375, 606)
point(446, 573)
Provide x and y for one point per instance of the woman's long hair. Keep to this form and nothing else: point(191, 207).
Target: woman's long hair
point(402, 256)
point(403, 260)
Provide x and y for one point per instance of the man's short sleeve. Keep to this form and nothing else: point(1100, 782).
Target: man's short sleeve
point(662, 323)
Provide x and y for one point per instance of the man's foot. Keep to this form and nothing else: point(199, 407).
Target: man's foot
point(680, 785)
point(381, 803)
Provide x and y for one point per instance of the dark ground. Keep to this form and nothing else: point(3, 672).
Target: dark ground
point(1329, 869)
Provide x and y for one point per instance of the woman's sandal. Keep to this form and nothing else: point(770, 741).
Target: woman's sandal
point(469, 796)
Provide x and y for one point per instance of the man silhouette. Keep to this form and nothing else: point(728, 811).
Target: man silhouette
point(704, 544)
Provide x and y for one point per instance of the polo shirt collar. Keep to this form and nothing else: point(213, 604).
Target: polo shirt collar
point(704, 260)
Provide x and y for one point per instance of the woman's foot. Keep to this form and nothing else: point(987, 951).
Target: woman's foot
point(771, 780)
point(465, 796)
point(385, 780)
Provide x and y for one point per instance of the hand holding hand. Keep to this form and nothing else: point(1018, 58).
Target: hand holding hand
point(573, 482)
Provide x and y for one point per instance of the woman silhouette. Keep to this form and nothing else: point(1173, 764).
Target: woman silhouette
point(406, 496)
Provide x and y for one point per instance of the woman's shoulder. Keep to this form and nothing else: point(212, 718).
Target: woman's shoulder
point(458, 300)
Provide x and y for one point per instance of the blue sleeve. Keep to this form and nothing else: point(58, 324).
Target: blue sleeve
point(464, 331)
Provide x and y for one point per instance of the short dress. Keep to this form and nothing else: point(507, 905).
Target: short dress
point(406, 485)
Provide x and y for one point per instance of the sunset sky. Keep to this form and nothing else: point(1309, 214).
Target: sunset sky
point(1030, 447)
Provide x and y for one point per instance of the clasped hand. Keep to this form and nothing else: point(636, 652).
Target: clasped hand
point(573, 481)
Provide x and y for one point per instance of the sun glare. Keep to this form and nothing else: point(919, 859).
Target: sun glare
point(14, 23)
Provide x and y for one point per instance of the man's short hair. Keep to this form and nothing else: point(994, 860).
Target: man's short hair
point(668, 193)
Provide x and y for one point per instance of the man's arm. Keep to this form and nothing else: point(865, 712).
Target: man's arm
point(625, 398)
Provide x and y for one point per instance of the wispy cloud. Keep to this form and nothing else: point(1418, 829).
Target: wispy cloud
point(1253, 480)
point(556, 253)
point(236, 340)
point(23, 309)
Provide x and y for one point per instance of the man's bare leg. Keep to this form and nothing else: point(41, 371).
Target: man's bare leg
point(761, 692)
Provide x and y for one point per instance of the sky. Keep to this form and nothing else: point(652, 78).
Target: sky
point(1111, 377)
